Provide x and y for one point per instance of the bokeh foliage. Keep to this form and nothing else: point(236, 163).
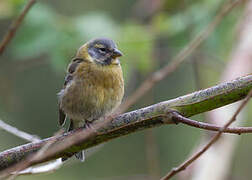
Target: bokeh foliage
point(33, 66)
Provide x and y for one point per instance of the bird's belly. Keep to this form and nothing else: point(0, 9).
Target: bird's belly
point(88, 102)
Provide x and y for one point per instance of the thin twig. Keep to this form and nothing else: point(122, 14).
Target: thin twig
point(58, 147)
point(14, 26)
point(26, 162)
point(185, 164)
point(177, 60)
point(42, 153)
point(51, 166)
point(222, 155)
point(211, 127)
point(17, 132)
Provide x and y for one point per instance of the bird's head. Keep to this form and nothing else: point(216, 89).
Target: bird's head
point(102, 51)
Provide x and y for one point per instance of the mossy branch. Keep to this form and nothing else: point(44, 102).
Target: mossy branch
point(151, 116)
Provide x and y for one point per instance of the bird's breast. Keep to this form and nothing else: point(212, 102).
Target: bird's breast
point(95, 90)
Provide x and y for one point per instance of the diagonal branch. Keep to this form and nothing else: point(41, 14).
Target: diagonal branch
point(32, 138)
point(148, 117)
point(17, 132)
point(177, 118)
point(185, 164)
point(179, 58)
point(14, 26)
point(33, 157)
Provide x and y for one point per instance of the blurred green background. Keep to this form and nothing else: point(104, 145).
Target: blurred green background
point(149, 34)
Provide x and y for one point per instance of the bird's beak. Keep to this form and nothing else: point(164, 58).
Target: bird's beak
point(116, 53)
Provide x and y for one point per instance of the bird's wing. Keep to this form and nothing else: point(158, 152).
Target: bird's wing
point(71, 69)
point(62, 117)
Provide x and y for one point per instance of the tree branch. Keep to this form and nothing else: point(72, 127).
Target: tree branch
point(14, 26)
point(18, 133)
point(177, 118)
point(33, 157)
point(148, 117)
point(179, 58)
point(45, 168)
point(188, 162)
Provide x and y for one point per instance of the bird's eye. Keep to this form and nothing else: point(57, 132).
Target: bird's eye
point(102, 50)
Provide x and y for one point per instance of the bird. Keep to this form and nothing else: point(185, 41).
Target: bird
point(93, 86)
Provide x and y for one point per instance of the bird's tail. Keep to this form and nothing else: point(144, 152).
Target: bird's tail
point(79, 155)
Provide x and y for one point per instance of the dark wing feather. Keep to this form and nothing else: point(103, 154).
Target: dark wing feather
point(71, 69)
point(71, 127)
point(68, 78)
point(75, 62)
point(62, 117)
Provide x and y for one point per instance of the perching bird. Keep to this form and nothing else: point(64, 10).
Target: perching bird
point(93, 86)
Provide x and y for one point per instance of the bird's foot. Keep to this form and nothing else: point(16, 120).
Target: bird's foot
point(89, 126)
